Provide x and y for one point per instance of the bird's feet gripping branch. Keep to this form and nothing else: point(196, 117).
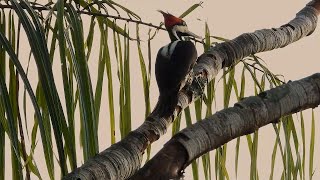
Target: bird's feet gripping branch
point(174, 64)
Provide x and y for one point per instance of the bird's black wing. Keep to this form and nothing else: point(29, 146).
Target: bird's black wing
point(172, 66)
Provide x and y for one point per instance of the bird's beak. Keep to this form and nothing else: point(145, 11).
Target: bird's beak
point(163, 13)
point(192, 34)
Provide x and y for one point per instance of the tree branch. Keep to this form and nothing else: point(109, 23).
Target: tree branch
point(244, 118)
point(123, 159)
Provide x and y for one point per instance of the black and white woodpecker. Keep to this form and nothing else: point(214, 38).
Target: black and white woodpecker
point(174, 63)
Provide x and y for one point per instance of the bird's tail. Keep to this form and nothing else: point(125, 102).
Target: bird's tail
point(166, 104)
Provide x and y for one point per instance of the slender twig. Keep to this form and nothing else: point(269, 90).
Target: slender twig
point(258, 69)
point(121, 18)
point(49, 8)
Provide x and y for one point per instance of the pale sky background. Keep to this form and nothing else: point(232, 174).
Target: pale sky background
point(226, 19)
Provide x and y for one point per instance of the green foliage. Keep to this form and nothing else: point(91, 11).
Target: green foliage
point(81, 71)
point(312, 141)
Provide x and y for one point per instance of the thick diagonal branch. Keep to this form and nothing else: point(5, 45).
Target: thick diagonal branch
point(245, 117)
point(123, 159)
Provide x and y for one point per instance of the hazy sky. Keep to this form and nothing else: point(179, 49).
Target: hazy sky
point(226, 19)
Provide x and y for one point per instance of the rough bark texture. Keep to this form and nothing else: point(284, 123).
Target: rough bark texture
point(249, 114)
point(245, 117)
point(123, 159)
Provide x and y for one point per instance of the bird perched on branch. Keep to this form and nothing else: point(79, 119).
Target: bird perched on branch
point(174, 63)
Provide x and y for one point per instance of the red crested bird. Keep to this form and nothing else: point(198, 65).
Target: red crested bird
point(173, 64)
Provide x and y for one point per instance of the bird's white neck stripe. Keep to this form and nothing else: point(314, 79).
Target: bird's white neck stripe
point(173, 46)
point(164, 51)
point(168, 49)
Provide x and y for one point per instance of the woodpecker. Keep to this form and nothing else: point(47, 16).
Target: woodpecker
point(174, 63)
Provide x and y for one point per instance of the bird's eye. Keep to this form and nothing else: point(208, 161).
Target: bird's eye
point(184, 23)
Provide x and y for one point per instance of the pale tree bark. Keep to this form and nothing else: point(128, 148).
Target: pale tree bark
point(245, 117)
point(123, 159)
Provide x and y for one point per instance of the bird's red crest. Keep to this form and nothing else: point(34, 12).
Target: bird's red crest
point(170, 20)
